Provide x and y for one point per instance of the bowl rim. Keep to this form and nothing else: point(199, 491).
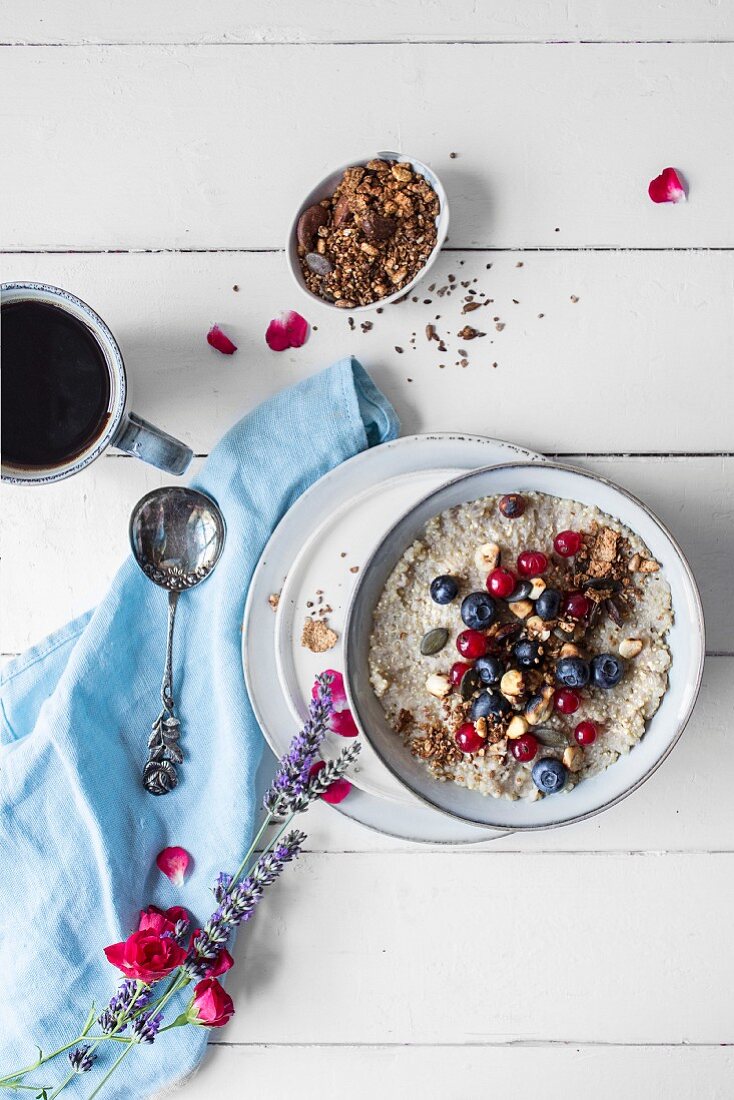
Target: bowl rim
point(442, 227)
point(698, 624)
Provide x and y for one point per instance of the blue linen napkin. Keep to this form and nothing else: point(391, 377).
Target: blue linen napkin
point(78, 833)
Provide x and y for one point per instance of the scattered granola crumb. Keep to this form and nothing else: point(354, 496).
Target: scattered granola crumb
point(317, 636)
point(398, 350)
point(541, 315)
point(499, 325)
point(574, 297)
point(453, 155)
point(235, 287)
point(274, 600)
point(519, 264)
point(354, 569)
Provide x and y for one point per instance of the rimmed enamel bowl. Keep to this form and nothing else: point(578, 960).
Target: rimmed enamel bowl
point(326, 187)
point(686, 639)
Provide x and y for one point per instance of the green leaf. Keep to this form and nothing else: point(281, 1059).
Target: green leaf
point(180, 1021)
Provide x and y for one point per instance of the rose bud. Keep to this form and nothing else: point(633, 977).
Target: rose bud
point(210, 1006)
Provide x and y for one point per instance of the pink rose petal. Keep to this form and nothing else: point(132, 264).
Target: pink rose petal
point(342, 722)
point(220, 965)
point(287, 330)
point(217, 339)
point(667, 187)
point(173, 862)
point(338, 694)
point(337, 791)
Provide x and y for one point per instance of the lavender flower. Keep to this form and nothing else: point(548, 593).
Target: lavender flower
point(220, 887)
point(81, 1059)
point(287, 791)
point(237, 903)
point(145, 1027)
point(129, 997)
point(331, 771)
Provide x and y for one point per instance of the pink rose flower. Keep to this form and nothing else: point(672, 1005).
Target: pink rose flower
point(146, 955)
point(158, 920)
point(211, 1005)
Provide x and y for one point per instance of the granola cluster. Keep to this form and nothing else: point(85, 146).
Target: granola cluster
point(371, 237)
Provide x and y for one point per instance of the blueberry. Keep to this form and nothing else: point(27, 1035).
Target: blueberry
point(512, 505)
point(488, 703)
point(478, 610)
point(548, 604)
point(572, 672)
point(606, 670)
point(490, 669)
point(526, 653)
point(444, 589)
point(549, 775)
point(521, 591)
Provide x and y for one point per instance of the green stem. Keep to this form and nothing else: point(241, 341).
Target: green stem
point(268, 818)
point(111, 1070)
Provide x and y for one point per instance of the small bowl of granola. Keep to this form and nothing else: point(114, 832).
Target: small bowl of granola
point(366, 234)
point(525, 646)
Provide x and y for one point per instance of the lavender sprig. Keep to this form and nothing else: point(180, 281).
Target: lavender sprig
point(237, 902)
point(130, 995)
point(81, 1059)
point(286, 792)
point(331, 771)
point(145, 1027)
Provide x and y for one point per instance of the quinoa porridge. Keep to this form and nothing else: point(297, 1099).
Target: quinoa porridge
point(519, 647)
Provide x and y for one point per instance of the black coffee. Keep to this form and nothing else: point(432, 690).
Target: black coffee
point(55, 385)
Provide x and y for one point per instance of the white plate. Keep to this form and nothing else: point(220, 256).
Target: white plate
point(300, 551)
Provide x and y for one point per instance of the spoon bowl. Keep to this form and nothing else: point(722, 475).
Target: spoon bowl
point(177, 536)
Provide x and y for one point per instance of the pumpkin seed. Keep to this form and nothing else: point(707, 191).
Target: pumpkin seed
point(434, 641)
point(552, 739)
point(470, 682)
point(521, 591)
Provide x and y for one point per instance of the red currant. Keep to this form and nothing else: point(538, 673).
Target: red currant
point(501, 583)
point(468, 739)
point(458, 672)
point(567, 543)
point(575, 605)
point(566, 700)
point(471, 644)
point(531, 563)
point(524, 748)
point(585, 733)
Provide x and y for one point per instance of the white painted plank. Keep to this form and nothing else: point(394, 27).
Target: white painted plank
point(213, 146)
point(524, 1072)
point(380, 21)
point(63, 542)
point(489, 947)
point(642, 362)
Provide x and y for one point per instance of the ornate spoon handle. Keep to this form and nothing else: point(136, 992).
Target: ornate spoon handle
point(164, 751)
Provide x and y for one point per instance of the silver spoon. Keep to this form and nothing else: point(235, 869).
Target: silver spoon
point(177, 536)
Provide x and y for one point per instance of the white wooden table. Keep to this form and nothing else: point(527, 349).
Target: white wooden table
point(152, 155)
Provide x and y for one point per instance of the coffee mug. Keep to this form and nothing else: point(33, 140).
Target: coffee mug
point(66, 394)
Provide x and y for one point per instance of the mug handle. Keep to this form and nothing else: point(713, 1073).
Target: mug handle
point(137, 437)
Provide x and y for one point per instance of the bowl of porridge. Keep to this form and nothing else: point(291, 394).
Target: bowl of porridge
point(525, 646)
